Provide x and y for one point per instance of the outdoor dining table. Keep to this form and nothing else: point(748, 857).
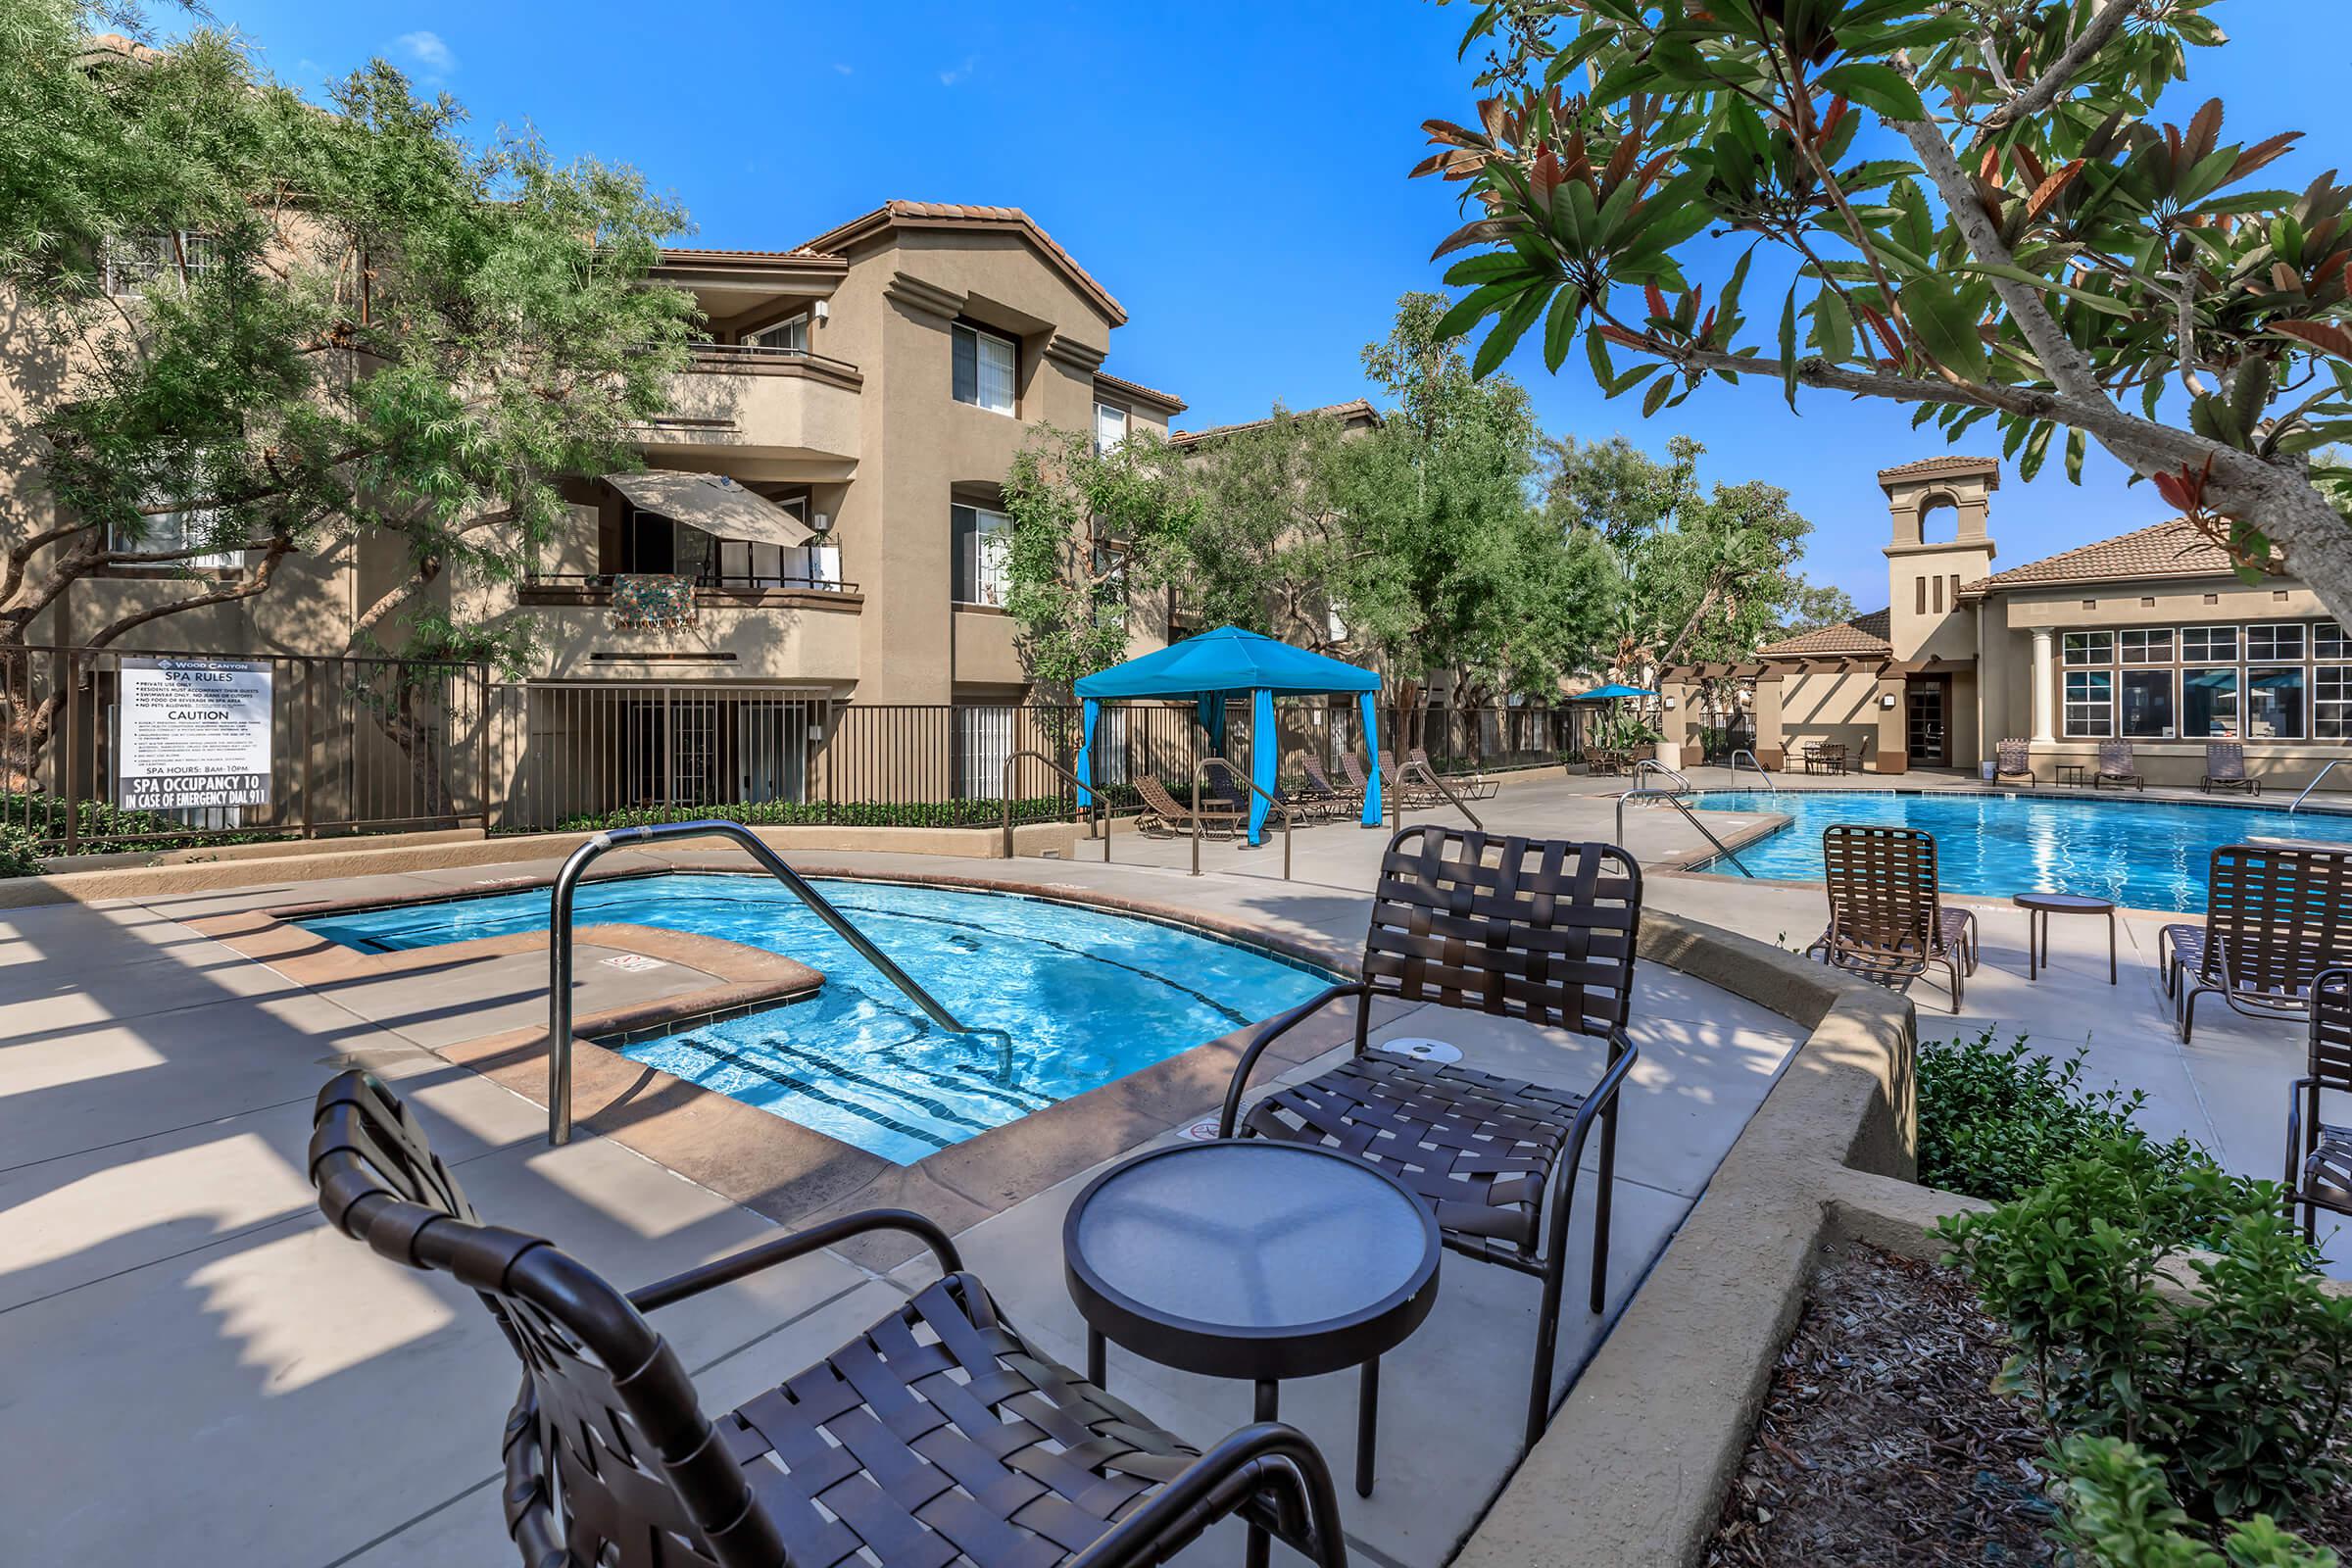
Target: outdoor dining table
point(1252, 1259)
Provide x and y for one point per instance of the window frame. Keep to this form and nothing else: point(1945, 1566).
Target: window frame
point(1126, 425)
point(2273, 631)
point(2123, 647)
point(183, 254)
point(759, 339)
point(2302, 685)
point(2101, 640)
point(2232, 654)
point(1012, 346)
point(2170, 677)
point(2067, 703)
point(983, 571)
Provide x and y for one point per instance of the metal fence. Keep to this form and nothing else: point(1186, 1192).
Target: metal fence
point(337, 745)
point(126, 748)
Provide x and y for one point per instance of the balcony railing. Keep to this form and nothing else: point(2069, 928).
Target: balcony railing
point(733, 582)
point(721, 359)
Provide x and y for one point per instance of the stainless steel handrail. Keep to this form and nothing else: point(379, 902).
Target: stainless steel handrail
point(1102, 810)
point(1761, 771)
point(1671, 799)
point(559, 943)
point(1430, 777)
point(1201, 771)
point(2315, 783)
point(1650, 764)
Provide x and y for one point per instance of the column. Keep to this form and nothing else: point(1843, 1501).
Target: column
point(2044, 688)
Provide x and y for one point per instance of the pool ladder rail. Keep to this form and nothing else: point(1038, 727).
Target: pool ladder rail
point(1762, 772)
point(1673, 798)
point(2314, 784)
point(559, 943)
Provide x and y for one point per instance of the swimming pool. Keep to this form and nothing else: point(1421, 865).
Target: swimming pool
point(1076, 997)
point(2144, 854)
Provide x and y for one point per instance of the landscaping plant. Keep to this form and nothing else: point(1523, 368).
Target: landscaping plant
point(2236, 1378)
point(2120, 1514)
point(1994, 1120)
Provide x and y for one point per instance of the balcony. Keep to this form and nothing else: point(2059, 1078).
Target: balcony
point(767, 629)
point(771, 413)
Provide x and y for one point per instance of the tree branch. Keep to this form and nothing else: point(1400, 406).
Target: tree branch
point(257, 582)
point(2044, 90)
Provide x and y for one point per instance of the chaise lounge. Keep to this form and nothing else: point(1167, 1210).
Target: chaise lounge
point(2117, 767)
point(2318, 1154)
point(1164, 813)
point(940, 1436)
point(2225, 770)
point(2276, 917)
point(2013, 758)
point(1886, 916)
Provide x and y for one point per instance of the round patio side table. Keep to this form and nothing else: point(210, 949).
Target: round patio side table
point(2040, 906)
point(1252, 1259)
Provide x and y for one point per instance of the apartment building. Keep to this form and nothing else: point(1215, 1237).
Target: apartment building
point(2150, 636)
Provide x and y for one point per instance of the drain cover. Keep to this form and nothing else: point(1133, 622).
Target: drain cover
point(1201, 1132)
point(1422, 1049)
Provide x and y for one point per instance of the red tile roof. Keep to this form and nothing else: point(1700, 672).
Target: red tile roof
point(1862, 636)
point(2173, 549)
point(1950, 462)
point(1354, 409)
point(697, 252)
point(1167, 400)
point(896, 213)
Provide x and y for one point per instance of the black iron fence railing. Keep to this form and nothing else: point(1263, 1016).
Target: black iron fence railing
point(727, 582)
point(115, 748)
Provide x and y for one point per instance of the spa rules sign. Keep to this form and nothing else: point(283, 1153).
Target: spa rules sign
point(193, 732)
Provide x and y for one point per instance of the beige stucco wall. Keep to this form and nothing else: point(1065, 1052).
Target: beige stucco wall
point(1839, 708)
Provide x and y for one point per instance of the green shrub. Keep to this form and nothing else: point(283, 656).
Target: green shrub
point(1995, 1121)
point(844, 813)
point(2239, 1384)
point(27, 821)
point(2119, 1513)
point(17, 857)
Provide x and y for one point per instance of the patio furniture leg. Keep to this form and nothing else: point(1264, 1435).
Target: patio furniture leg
point(1547, 1331)
point(2032, 945)
point(1253, 1553)
point(1367, 1425)
point(2111, 946)
point(1097, 1358)
point(1600, 1208)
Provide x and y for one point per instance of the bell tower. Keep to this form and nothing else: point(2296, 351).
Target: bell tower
point(1926, 566)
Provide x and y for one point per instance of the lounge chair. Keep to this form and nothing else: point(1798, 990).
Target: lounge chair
point(2275, 917)
point(937, 1435)
point(2013, 758)
point(1525, 928)
point(1471, 786)
point(2225, 770)
point(2318, 1154)
point(1164, 813)
point(1353, 766)
point(2117, 768)
point(2180, 950)
point(1414, 793)
point(1345, 800)
point(1886, 915)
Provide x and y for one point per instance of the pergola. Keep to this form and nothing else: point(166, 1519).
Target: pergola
point(1228, 662)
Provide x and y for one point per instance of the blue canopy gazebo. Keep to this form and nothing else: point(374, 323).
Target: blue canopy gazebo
point(1227, 663)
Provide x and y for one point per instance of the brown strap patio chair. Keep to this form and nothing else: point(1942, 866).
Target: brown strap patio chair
point(1353, 766)
point(1414, 794)
point(1471, 786)
point(939, 1436)
point(2225, 770)
point(2013, 758)
point(2275, 917)
point(2117, 768)
point(1165, 814)
point(2319, 1154)
point(1345, 800)
point(1886, 916)
point(1534, 929)
point(2180, 950)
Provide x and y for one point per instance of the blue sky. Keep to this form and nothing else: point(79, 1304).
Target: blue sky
point(1233, 173)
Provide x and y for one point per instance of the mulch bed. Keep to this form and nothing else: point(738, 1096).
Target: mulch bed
point(1881, 1441)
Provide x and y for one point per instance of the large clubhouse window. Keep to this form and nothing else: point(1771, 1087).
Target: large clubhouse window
point(2147, 704)
point(2209, 703)
point(983, 369)
point(2090, 648)
point(2209, 645)
point(2275, 703)
point(2331, 703)
point(2153, 646)
point(2089, 701)
point(2329, 642)
point(981, 540)
point(2274, 643)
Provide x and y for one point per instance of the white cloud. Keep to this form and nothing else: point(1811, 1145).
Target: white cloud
point(844, 70)
point(950, 78)
point(428, 50)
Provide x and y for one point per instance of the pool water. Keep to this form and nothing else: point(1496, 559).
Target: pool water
point(2143, 855)
point(1058, 999)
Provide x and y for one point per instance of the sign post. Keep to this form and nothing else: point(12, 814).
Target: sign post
point(193, 732)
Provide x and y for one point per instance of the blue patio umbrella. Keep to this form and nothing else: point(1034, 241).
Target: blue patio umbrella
point(1227, 663)
point(1610, 693)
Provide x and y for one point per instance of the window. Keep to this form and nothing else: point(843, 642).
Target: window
point(178, 530)
point(1939, 596)
point(2090, 648)
point(136, 262)
point(2209, 703)
point(981, 540)
point(790, 337)
point(2209, 645)
point(1110, 426)
point(2090, 702)
point(2275, 641)
point(1920, 585)
point(2148, 703)
point(2151, 646)
point(2331, 703)
point(983, 369)
point(983, 741)
point(2275, 703)
point(2330, 641)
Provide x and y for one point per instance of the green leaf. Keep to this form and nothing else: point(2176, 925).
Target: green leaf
point(2076, 446)
point(1788, 347)
point(1946, 326)
point(1596, 352)
point(1874, 86)
point(1474, 307)
point(1493, 266)
point(1655, 398)
point(1559, 327)
point(1508, 333)
point(1832, 327)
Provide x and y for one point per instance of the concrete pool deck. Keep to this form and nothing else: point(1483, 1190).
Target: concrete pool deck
point(195, 1359)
